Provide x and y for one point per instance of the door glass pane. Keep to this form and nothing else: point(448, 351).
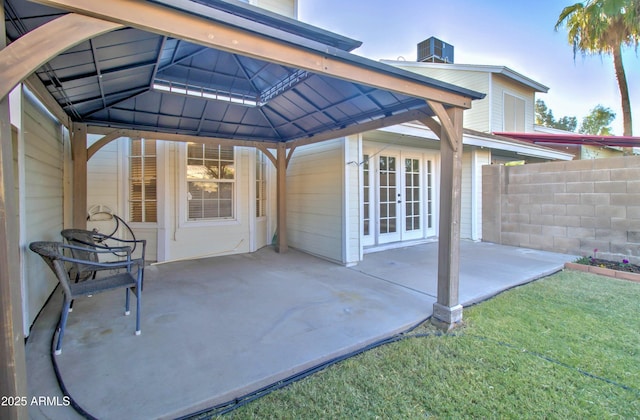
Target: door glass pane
point(387, 192)
point(429, 194)
point(366, 194)
point(412, 194)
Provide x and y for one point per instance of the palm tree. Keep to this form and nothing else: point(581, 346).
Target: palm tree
point(605, 27)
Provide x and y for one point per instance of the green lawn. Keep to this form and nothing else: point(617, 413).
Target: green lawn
point(564, 346)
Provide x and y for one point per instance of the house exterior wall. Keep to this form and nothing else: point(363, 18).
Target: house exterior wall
point(475, 118)
point(103, 182)
point(471, 205)
point(353, 180)
point(315, 199)
point(501, 85)
point(287, 8)
point(192, 239)
point(479, 158)
point(466, 199)
point(107, 189)
point(596, 152)
point(173, 236)
point(571, 207)
point(41, 153)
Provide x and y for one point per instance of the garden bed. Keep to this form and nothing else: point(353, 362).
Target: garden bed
point(621, 270)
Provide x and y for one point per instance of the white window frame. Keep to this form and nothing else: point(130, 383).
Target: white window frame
point(183, 202)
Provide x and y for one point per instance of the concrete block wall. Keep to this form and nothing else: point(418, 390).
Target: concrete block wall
point(571, 207)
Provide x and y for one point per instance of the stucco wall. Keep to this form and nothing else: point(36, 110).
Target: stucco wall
point(571, 207)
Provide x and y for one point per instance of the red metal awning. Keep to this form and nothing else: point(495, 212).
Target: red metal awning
point(579, 139)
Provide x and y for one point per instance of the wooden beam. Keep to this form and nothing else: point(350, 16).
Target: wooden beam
point(433, 125)
point(108, 138)
point(29, 52)
point(13, 371)
point(447, 312)
point(79, 152)
point(184, 138)
point(282, 245)
point(417, 114)
point(174, 23)
point(445, 121)
point(263, 148)
point(290, 153)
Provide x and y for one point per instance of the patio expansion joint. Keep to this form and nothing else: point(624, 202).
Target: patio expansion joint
point(392, 282)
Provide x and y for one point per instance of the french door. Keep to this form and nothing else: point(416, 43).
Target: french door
point(398, 197)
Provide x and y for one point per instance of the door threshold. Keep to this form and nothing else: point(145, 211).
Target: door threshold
point(395, 245)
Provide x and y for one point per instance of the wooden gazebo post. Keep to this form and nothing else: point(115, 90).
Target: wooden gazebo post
point(13, 371)
point(79, 155)
point(282, 245)
point(447, 311)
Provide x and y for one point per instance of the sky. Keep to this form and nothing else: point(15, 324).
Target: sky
point(517, 34)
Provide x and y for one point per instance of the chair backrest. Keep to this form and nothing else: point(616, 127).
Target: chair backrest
point(81, 238)
point(52, 253)
point(96, 240)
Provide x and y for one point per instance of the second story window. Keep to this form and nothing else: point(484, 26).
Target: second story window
point(210, 182)
point(514, 114)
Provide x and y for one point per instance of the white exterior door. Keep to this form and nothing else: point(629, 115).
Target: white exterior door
point(389, 195)
point(398, 197)
point(412, 199)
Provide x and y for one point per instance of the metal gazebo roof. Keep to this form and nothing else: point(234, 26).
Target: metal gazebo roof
point(133, 79)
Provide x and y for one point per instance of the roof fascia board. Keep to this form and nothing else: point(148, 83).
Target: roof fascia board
point(332, 62)
point(503, 70)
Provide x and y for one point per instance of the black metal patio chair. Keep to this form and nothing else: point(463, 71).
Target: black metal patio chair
point(126, 273)
point(96, 240)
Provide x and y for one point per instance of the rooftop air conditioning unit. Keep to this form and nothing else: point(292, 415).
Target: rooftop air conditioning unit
point(433, 50)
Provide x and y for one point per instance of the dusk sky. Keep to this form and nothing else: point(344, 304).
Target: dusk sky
point(517, 34)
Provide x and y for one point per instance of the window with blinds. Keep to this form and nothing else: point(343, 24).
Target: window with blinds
point(210, 182)
point(514, 113)
point(143, 198)
point(261, 185)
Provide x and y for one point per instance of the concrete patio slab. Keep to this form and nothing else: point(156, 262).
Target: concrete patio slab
point(219, 328)
point(485, 268)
